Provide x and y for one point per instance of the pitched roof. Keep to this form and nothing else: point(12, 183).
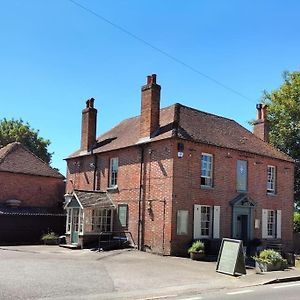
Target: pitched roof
point(93, 199)
point(190, 124)
point(15, 158)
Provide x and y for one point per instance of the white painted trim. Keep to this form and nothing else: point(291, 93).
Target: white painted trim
point(264, 223)
point(197, 221)
point(216, 222)
point(278, 224)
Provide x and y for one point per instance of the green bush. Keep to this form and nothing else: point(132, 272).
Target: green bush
point(197, 246)
point(50, 238)
point(269, 256)
point(296, 222)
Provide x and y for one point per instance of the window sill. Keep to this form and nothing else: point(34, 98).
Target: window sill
point(271, 194)
point(206, 187)
point(112, 189)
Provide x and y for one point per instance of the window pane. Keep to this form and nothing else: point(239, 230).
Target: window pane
point(113, 172)
point(241, 175)
point(205, 222)
point(271, 179)
point(122, 213)
point(182, 222)
point(206, 169)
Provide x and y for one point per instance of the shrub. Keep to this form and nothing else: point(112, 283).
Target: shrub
point(197, 246)
point(269, 256)
point(50, 238)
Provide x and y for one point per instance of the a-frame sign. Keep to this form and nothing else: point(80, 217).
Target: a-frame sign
point(231, 259)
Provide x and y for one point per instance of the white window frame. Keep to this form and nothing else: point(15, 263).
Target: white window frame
point(182, 221)
point(207, 172)
point(100, 215)
point(271, 179)
point(209, 221)
point(69, 220)
point(113, 173)
point(271, 223)
point(80, 221)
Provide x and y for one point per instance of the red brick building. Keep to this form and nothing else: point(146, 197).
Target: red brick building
point(176, 174)
point(31, 196)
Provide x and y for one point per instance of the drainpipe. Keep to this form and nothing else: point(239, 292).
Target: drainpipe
point(140, 221)
point(95, 171)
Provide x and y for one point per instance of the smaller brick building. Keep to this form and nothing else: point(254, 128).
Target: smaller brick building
point(178, 174)
point(31, 196)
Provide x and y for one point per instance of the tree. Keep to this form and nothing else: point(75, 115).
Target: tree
point(18, 131)
point(284, 120)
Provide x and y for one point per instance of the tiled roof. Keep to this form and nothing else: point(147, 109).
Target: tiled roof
point(15, 158)
point(30, 211)
point(94, 199)
point(190, 124)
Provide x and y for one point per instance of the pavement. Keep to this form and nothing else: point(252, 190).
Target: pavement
point(56, 273)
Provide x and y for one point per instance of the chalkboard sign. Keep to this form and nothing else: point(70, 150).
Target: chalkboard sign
point(231, 258)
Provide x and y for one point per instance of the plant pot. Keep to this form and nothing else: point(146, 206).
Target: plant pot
point(197, 255)
point(264, 267)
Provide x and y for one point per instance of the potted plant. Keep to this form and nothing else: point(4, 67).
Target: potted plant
point(270, 260)
point(50, 238)
point(197, 250)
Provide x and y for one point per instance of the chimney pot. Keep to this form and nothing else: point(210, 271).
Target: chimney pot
point(258, 107)
point(261, 125)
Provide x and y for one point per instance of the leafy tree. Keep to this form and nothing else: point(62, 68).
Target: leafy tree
point(284, 118)
point(18, 131)
point(296, 222)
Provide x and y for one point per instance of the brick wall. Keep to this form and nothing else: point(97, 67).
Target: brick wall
point(31, 190)
point(171, 184)
point(187, 191)
point(156, 193)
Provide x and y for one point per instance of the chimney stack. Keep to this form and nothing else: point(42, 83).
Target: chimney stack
point(150, 108)
point(261, 125)
point(88, 127)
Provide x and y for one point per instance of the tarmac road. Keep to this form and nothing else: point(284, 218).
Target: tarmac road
point(51, 272)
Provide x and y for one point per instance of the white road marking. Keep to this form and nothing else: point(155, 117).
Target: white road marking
point(159, 297)
point(286, 285)
point(240, 292)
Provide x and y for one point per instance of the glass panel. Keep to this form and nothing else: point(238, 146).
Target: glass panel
point(241, 175)
point(113, 172)
point(206, 169)
point(205, 222)
point(122, 213)
point(182, 222)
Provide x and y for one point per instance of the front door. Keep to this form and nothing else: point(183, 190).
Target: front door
point(242, 224)
point(242, 228)
point(75, 226)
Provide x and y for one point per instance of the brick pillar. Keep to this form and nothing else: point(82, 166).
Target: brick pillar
point(88, 127)
point(150, 107)
point(261, 126)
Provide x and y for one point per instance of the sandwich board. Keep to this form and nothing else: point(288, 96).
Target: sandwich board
point(231, 259)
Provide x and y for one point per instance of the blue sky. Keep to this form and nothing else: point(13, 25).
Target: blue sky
point(55, 55)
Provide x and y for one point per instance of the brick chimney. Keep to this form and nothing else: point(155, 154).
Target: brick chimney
point(150, 107)
point(261, 125)
point(88, 127)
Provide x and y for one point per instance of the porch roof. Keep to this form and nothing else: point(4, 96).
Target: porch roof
point(89, 199)
point(242, 200)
